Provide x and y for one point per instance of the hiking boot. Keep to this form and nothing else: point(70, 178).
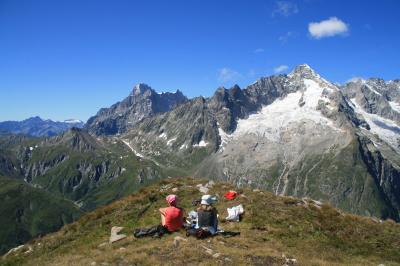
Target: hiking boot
point(138, 233)
point(157, 235)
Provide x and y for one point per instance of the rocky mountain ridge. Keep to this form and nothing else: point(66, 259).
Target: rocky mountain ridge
point(143, 102)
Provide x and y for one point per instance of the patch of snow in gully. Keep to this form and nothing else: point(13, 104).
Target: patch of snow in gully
point(132, 149)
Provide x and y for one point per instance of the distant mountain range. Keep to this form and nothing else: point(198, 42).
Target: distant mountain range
point(38, 127)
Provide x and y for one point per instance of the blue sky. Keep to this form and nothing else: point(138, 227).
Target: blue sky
point(67, 59)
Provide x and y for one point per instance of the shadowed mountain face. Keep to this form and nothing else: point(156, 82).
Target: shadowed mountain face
point(37, 127)
point(143, 102)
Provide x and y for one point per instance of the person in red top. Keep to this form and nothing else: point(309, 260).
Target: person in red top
point(172, 216)
point(171, 220)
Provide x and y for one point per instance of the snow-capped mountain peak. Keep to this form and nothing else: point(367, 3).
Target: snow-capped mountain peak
point(304, 71)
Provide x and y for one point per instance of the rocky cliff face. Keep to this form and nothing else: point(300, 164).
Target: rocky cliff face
point(141, 103)
point(378, 102)
point(384, 165)
point(376, 96)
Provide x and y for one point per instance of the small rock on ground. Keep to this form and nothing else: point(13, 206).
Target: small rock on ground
point(202, 189)
point(102, 245)
point(178, 240)
point(208, 250)
point(30, 249)
point(14, 250)
point(115, 236)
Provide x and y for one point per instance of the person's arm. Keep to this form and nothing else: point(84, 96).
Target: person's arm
point(184, 214)
point(215, 222)
point(162, 211)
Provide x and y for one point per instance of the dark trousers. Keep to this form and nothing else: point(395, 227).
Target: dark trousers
point(154, 231)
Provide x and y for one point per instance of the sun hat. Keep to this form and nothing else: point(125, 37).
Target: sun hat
point(208, 200)
point(171, 199)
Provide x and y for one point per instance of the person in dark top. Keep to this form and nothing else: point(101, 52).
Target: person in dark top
point(207, 214)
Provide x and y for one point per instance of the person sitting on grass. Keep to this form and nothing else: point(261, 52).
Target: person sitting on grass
point(171, 220)
point(172, 216)
point(207, 214)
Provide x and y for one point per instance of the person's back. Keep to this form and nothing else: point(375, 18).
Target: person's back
point(207, 218)
point(173, 218)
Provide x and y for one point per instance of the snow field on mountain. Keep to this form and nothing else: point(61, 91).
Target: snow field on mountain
point(277, 117)
point(386, 129)
point(202, 143)
point(395, 106)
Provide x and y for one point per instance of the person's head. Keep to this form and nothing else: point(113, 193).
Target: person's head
point(172, 199)
point(208, 200)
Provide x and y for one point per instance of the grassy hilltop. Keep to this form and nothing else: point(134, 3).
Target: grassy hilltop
point(273, 229)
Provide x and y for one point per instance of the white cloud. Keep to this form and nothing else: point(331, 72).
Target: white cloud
point(226, 74)
point(281, 68)
point(259, 50)
point(354, 79)
point(284, 38)
point(327, 28)
point(285, 8)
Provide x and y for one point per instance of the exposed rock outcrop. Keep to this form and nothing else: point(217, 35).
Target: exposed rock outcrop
point(141, 103)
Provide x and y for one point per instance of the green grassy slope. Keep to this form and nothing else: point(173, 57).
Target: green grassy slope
point(27, 212)
point(75, 167)
point(313, 234)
